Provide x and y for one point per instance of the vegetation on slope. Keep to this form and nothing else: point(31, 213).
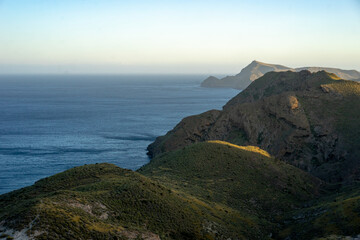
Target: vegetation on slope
point(208, 190)
point(334, 216)
point(247, 179)
point(103, 201)
point(250, 180)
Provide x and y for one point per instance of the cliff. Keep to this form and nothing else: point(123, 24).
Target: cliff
point(309, 120)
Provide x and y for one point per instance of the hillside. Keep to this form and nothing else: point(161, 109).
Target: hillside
point(248, 179)
point(309, 120)
point(333, 216)
point(244, 178)
point(257, 69)
point(103, 201)
point(209, 190)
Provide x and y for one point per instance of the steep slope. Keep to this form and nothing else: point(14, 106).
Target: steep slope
point(103, 201)
point(307, 119)
point(250, 180)
point(257, 69)
point(244, 178)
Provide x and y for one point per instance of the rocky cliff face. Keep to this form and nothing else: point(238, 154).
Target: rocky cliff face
point(307, 119)
point(257, 69)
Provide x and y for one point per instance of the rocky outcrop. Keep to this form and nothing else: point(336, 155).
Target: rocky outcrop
point(306, 119)
point(190, 130)
point(257, 69)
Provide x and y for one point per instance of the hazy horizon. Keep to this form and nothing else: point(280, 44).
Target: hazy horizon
point(111, 70)
point(175, 37)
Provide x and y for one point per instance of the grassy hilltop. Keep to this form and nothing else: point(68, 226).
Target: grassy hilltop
point(103, 201)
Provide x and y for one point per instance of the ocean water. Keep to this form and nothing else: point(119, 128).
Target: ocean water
point(51, 123)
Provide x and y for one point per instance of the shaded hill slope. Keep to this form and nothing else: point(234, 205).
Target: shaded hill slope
point(310, 120)
point(250, 180)
point(244, 178)
point(257, 69)
point(333, 216)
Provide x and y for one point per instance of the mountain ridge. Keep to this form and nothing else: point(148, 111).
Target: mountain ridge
point(257, 69)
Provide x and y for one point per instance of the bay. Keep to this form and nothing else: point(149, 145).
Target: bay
point(50, 123)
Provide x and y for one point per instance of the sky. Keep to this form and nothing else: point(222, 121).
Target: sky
point(176, 36)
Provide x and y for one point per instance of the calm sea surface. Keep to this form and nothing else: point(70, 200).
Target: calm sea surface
point(52, 123)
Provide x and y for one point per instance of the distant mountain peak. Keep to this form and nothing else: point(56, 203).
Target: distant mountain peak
point(255, 63)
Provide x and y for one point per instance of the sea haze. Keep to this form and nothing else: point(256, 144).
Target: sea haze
point(51, 123)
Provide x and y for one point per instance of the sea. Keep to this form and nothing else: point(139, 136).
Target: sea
point(50, 123)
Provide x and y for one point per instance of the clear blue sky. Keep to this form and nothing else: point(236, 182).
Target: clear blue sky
point(175, 36)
